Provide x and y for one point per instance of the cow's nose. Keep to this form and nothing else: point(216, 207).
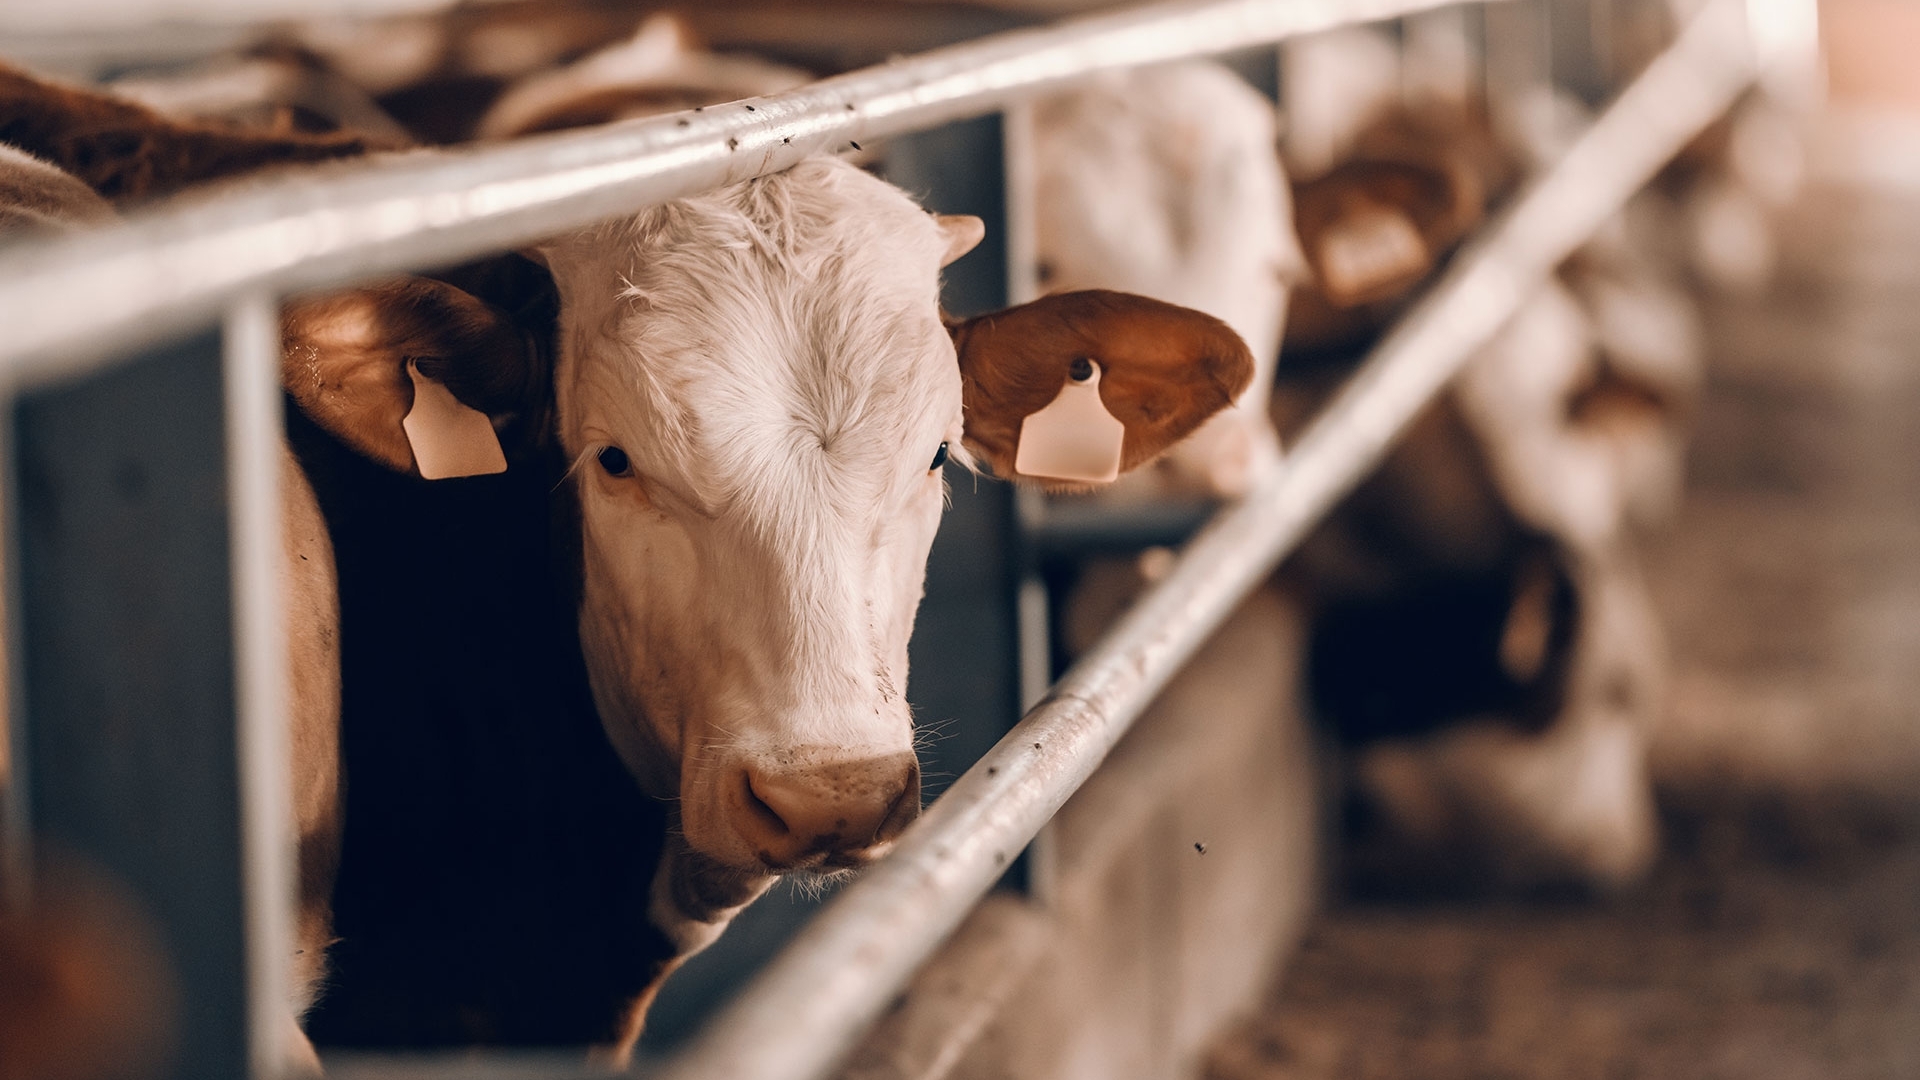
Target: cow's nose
point(838, 810)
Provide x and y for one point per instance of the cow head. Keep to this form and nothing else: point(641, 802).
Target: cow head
point(755, 391)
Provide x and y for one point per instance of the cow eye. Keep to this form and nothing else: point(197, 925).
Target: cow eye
point(939, 458)
point(614, 460)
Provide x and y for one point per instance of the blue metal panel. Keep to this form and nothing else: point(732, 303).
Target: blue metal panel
point(965, 652)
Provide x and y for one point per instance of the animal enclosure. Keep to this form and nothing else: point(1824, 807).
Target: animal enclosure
point(145, 590)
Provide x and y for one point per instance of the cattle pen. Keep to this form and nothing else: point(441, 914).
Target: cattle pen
point(155, 342)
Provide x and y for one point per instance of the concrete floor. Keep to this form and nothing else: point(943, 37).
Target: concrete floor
point(1746, 958)
point(1780, 935)
point(1791, 582)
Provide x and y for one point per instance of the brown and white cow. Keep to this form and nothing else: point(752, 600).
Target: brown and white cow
point(1166, 181)
point(1482, 637)
point(722, 422)
point(37, 199)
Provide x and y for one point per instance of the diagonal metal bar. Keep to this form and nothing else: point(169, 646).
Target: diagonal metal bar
point(804, 1012)
point(67, 304)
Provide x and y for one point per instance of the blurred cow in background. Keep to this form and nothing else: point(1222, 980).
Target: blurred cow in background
point(1482, 638)
point(1166, 182)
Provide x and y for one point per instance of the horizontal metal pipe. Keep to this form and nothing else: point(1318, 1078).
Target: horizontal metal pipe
point(803, 1013)
point(66, 303)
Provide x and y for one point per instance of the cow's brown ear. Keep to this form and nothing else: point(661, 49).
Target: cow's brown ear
point(126, 151)
point(359, 362)
point(1372, 230)
point(1160, 370)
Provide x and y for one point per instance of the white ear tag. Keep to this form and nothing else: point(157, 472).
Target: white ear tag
point(449, 439)
point(1369, 251)
point(1073, 438)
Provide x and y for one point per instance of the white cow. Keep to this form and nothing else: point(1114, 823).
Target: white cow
point(1164, 182)
point(1167, 182)
point(754, 392)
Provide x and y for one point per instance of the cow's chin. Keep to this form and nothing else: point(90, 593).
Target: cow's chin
point(811, 873)
point(818, 883)
point(824, 870)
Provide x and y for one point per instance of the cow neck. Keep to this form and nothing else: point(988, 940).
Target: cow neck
point(497, 856)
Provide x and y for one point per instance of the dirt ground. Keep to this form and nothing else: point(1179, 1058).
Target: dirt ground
point(1780, 935)
point(1775, 941)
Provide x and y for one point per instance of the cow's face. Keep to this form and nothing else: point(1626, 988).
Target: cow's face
point(755, 391)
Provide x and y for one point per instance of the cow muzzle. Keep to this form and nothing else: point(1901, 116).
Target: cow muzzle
point(825, 814)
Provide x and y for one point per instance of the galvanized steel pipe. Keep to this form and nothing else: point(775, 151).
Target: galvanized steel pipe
point(805, 1011)
point(65, 304)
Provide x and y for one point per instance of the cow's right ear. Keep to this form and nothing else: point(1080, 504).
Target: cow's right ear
point(413, 373)
point(1119, 378)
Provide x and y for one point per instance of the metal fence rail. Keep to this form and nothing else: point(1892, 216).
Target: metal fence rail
point(68, 302)
point(807, 1009)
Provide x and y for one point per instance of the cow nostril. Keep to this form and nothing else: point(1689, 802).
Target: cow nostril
point(904, 809)
point(760, 808)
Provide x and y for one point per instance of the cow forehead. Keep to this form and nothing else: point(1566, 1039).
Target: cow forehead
point(779, 343)
point(823, 406)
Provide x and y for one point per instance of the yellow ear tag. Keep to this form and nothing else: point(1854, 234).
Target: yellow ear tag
point(449, 439)
point(1074, 437)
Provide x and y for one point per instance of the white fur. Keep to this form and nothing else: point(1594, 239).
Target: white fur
point(657, 56)
point(771, 357)
point(251, 90)
point(1514, 395)
point(1336, 83)
point(1167, 182)
point(36, 197)
point(1586, 484)
point(1574, 802)
point(688, 934)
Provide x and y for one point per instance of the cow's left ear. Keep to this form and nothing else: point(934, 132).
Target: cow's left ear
point(963, 233)
point(413, 373)
point(1158, 369)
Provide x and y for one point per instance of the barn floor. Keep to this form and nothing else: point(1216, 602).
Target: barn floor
point(1780, 936)
point(1776, 942)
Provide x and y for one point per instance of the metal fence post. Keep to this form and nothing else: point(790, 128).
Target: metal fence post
point(131, 740)
point(966, 649)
